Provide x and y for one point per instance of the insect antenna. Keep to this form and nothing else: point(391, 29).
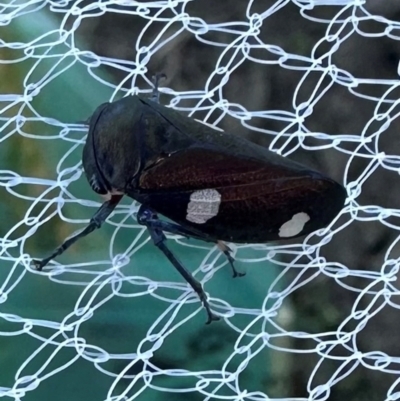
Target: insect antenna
point(155, 96)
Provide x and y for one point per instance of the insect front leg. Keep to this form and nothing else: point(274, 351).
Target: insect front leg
point(95, 222)
point(149, 219)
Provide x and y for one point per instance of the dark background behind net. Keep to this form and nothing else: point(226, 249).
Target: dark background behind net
point(187, 63)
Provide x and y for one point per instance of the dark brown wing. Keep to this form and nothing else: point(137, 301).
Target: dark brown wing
point(235, 198)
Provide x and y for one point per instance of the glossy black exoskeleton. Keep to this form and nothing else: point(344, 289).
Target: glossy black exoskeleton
point(213, 185)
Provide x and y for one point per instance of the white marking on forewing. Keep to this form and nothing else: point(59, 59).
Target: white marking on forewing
point(294, 226)
point(203, 205)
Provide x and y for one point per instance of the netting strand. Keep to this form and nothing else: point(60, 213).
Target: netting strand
point(313, 319)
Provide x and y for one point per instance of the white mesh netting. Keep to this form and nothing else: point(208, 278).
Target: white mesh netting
point(314, 319)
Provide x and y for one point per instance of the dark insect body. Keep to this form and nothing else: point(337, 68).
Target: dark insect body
point(214, 186)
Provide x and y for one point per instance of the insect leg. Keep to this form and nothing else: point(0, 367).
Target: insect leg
point(146, 217)
point(227, 252)
point(173, 228)
point(95, 222)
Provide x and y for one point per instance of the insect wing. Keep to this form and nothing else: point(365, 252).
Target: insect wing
point(231, 197)
point(185, 129)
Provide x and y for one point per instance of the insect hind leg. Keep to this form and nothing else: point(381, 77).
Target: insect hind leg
point(173, 228)
point(227, 252)
point(149, 219)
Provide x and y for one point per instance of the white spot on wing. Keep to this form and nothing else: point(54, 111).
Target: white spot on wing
point(203, 205)
point(294, 226)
